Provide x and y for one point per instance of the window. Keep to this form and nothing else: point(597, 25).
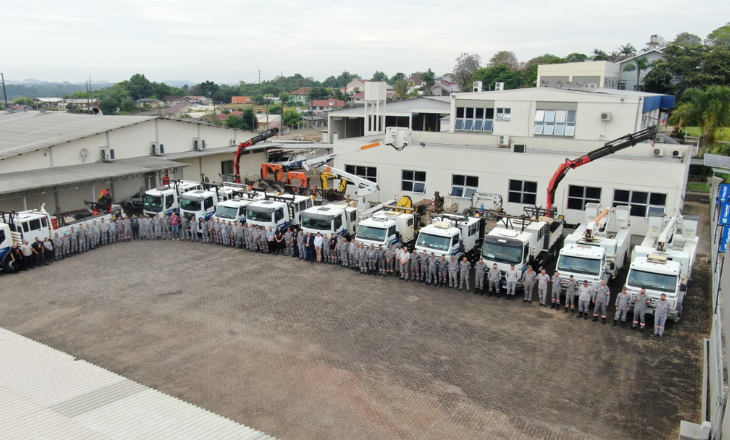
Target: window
point(523, 192)
point(554, 122)
point(503, 114)
point(338, 223)
point(473, 229)
point(641, 203)
point(35, 225)
point(279, 215)
point(414, 181)
point(391, 232)
point(370, 173)
point(463, 186)
point(475, 119)
point(169, 201)
point(578, 196)
point(226, 167)
point(208, 203)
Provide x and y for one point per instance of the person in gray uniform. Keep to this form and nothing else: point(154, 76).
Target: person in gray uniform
point(585, 293)
point(184, 228)
point(433, 270)
point(66, 240)
point(289, 239)
point(372, 256)
point(194, 228)
point(528, 282)
point(571, 289)
point(150, 227)
point(601, 297)
point(453, 272)
point(89, 237)
point(57, 247)
point(96, 233)
point(494, 280)
point(622, 307)
point(166, 229)
point(661, 311)
point(641, 303)
point(353, 255)
point(382, 264)
point(239, 235)
point(74, 241)
point(557, 287)
point(363, 258)
point(82, 238)
point(326, 254)
point(480, 272)
point(120, 229)
point(104, 229)
point(443, 270)
point(423, 274)
point(405, 264)
point(127, 229)
point(390, 260)
point(157, 224)
point(205, 230)
point(112, 230)
point(511, 276)
point(464, 272)
point(224, 233)
point(543, 279)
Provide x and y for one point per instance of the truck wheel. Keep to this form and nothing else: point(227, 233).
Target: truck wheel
point(286, 168)
point(679, 313)
point(8, 264)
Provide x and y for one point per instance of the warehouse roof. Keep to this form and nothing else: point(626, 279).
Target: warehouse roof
point(25, 132)
point(404, 108)
point(47, 178)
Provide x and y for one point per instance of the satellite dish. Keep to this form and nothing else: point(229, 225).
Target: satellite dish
point(84, 152)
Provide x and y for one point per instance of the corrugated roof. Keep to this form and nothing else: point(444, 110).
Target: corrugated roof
point(51, 177)
point(50, 394)
point(25, 132)
point(403, 108)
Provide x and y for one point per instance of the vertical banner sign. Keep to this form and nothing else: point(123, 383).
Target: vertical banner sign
point(723, 193)
point(725, 238)
point(724, 214)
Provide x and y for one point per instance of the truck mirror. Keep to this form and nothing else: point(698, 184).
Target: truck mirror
point(682, 287)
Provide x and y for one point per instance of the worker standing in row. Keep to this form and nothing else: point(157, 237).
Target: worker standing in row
point(464, 272)
point(557, 287)
point(585, 293)
point(542, 287)
point(622, 307)
point(528, 283)
point(571, 289)
point(601, 297)
point(640, 305)
point(511, 276)
point(453, 272)
point(480, 273)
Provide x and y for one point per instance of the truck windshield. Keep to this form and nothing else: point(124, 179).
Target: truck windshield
point(152, 203)
point(371, 233)
point(502, 253)
point(226, 212)
point(259, 216)
point(321, 224)
point(652, 281)
point(191, 204)
point(433, 241)
point(586, 266)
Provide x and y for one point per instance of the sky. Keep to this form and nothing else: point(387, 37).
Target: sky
point(228, 41)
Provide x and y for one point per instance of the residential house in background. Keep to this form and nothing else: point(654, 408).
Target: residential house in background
point(241, 100)
point(175, 111)
point(266, 122)
point(415, 79)
point(627, 80)
point(300, 95)
point(359, 84)
point(320, 106)
point(149, 102)
point(225, 116)
point(442, 87)
point(49, 103)
point(359, 98)
point(595, 74)
point(83, 104)
point(197, 100)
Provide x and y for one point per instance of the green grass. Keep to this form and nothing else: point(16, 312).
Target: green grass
point(695, 132)
point(699, 187)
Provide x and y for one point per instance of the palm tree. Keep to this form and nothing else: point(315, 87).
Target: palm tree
point(428, 79)
point(627, 50)
point(599, 55)
point(709, 109)
point(639, 64)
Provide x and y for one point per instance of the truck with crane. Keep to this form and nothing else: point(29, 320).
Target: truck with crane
point(593, 253)
point(662, 263)
point(390, 223)
point(532, 239)
point(451, 234)
point(332, 219)
point(234, 209)
point(277, 210)
point(166, 198)
point(240, 151)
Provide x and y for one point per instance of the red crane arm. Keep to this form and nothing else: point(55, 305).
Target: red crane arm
point(243, 145)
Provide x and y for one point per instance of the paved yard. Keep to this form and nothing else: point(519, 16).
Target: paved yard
point(307, 351)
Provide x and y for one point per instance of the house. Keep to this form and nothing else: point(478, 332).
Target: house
point(441, 87)
point(604, 74)
point(176, 110)
point(225, 116)
point(627, 80)
point(359, 98)
point(197, 100)
point(18, 108)
point(511, 142)
point(359, 84)
point(266, 122)
point(83, 104)
point(320, 106)
point(149, 102)
point(49, 103)
point(415, 79)
point(300, 95)
point(172, 99)
point(241, 100)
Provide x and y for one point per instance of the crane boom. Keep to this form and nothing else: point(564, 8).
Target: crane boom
point(609, 148)
point(243, 145)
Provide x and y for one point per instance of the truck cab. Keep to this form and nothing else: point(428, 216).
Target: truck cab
point(234, 209)
point(584, 262)
point(277, 211)
point(657, 275)
point(6, 243)
point(166, 198)
point(29, 224)
point(331, 219)
point(198, 204)
point(387, 227)
point(451, 234)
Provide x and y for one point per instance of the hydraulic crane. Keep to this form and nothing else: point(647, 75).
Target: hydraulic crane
point(609, 148)
point(243, 145)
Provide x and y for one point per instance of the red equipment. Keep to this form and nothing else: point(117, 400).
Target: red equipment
point(243, 145)
point(609, 148)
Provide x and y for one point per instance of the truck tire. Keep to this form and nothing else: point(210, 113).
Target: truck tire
point(8, 264)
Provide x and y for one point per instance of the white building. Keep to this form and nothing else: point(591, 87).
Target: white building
point(56, 158)
point(603, 74)
point(628, 79)
point(541, 128)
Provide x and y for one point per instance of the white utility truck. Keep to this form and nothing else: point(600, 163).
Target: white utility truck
point(234, 209)
point(593, 253)
point(277, 211)
point(331, 219)
point(389, 226)
point(166, 198)
point(662, 263)
point(451, 234)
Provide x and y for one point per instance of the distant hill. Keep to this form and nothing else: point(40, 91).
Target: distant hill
point(33, 88)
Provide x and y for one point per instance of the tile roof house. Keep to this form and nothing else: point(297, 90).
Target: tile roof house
point(300, 95)
point(241, 100)
point(326, 105)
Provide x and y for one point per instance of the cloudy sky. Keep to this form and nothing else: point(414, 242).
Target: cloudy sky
point(231, 40)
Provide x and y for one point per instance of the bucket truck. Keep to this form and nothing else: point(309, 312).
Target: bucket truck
point(393, 223)
point(277, 210)
point(331, 219)
point(451, 234)
point(662, 263)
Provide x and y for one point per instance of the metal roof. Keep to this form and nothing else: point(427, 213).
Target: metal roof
point(403, 108)
point(717, 161)
point(213, 151)
point(49, 394)
point(24, 132)
point(26, 181)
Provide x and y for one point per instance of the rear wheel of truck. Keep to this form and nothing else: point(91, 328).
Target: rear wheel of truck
point(8, 264)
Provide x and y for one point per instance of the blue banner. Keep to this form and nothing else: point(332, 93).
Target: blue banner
point(723, 193)
point(724, 214)
point(725, 238)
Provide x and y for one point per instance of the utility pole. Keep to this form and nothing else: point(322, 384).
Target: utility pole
point(5, 94)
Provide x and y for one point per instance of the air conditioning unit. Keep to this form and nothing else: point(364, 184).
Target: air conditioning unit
point(658, 152)
point(233, 142)
point(499, 86)
point(477, 87)
point(202, 145)
point(677, 153)
point(518, 149)
point(106, 154)
point(158, 149)
point(606, 116)
point(196, 144)
point(504, 140)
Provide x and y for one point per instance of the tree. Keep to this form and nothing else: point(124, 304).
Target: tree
point(685, 39)
point(428, 80)
point(234, 121)
point(576, 57)
point(639, 65)
point(709, 109)
point(720, 36)
point(505, 57)
point(284, 97)
point(402, 89)
point(259, 99)
point(529, 73)
point(275, 109)
point(397, 77)
point(318, 93)
point(499, 73)
point(599, 55)
point(249, 119)
point(139, 87)
point(291, 117)
point(466, 65)
point(380, 76)
point(627, 50)
point(24, 101)
point(206, 88)
point(659, 80)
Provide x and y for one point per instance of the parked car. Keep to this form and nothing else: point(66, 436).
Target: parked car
point(291, 162)
point(135, 201)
